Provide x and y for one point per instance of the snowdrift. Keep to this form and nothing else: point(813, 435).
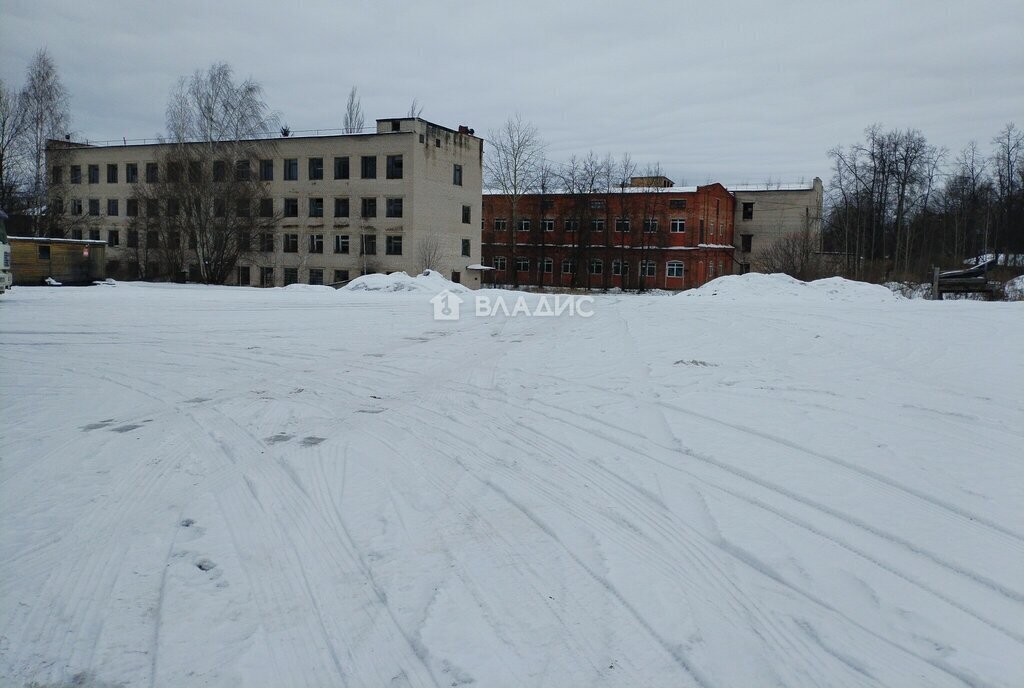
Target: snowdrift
point(430, 282)
point(1015, 289)
point(778, 287)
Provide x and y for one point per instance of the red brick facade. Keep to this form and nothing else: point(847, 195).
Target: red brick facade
point(636, 238)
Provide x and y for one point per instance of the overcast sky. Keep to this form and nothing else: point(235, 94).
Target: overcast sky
point(735, 92)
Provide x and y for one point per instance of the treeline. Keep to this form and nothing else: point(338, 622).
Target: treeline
point(898, 205)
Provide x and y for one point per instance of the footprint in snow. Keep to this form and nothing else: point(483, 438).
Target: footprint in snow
point(97, 426)
point(126, 428)
point(279, 437)
point(312, 441)
point(205, 564)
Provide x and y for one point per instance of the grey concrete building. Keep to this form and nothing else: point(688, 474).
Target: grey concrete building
point(768, 212)
point(350, 204)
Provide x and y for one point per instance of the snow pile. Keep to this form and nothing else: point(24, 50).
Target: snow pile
point(1011, 259)
point(430, 282)
point(1015, 289)
point(755, 286)
point(309, 287)
point(910, 290)
point(50, 282)
point(106, 283)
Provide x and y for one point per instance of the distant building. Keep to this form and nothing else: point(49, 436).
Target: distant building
point(68, 261)
point(350, 204)
point(647, 235)
point(769, 212)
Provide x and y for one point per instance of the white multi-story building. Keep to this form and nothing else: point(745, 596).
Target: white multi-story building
point(770, 212)
point(404, 198)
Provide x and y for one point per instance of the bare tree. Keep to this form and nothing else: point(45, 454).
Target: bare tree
point(1006, 162)
point(795, 254)
point(45, 101)
point(205, 189)
point(12, 128)
point(354, 119)
point(415, 109)
point(512, 168)
point(430, 251)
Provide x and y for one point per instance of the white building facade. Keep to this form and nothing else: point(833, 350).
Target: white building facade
point(402, 199)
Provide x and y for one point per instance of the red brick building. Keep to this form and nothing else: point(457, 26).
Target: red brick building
point(655, 236)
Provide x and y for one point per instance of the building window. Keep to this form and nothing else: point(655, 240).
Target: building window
point(393, 245)
point(393, 207)
point(131, 172)
point(499, 263)
point(152, 239)
point(394, 167)
point(597, 204)
point(500, 224)
point(466, 246)
point(341, 168)
point(244, 278)
point(195, 172)
point(173, 207)
point(76, 176)
point(547, 224)
point(266, 242)
point(94, 174)
point(94, 235)
point(748, 211)
point(571, 225)
point(266, 207)
point(243, 171)
point(622, 224)
point(76, 206)
point(113, 237)
point(568, 267)
point(457, 175)
point(316, 168)
point(674, 268)
point(340, 276)
point(549, 266)
point(341, 243)
point(266, 170)
point(368, 169)
point(266, 277)
point(648, 268)
point(76, 234)
point(111, 174)
point(522, 264)
point(316, 276)
point(523, 225)
point(678, 226)
point(596, 266)
point(368, 244)
point(291, 207)
point(316, 207)
point(44, 252)
point(620, 267)
point(220, 170)
point(133, 238)
point(340, 207)
point(57, 176)
point(746, 242)
point(651, 225)
point(291, 243)
point(112, 207)
point(220, 207)
point(291, 276)
point(316, 243)
point(152, 207)
point(700, 228)
point(243, 208)
point(152, 173)
point(94, 207)
point(677, 204)
point(369, 207)
point(291, 170)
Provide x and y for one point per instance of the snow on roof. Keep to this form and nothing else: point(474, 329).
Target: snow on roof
point(478, 266)
point(759, 287)
point(746, 188)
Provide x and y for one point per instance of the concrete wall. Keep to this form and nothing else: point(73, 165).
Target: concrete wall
point(775, 213)
point(432, 203)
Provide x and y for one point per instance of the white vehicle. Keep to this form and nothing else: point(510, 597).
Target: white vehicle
point(6, 279)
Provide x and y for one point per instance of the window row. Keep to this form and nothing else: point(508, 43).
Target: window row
point(242, 170)
point(648, 268)
point(622, 224)
point(393, 207)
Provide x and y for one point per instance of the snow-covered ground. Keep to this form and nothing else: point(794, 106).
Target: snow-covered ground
point(772, 485)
